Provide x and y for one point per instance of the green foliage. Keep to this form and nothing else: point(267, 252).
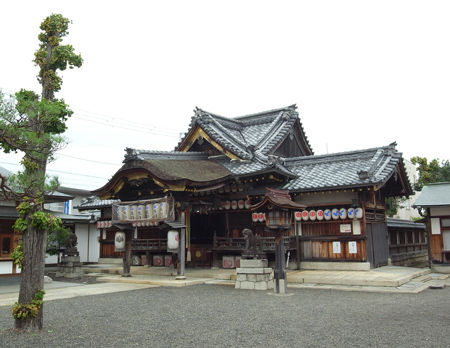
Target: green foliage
point(431, 171)
point(29, 310)
point(56, 239)
point(23, 209)
point(54, 27)
point(20, 225)
point(17, 255)
point(392, 205)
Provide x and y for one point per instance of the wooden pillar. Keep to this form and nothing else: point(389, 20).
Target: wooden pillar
point(127, 254)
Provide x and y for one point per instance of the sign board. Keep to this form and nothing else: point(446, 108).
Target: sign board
point(352, 248)
point(346, 228)
point(145, 213)
point(356, 227)
point(435, 226)
point(336, 247)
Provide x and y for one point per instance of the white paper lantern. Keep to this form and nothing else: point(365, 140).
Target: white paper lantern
point(173, 240)
point(119, 241)
point(320, 215)
point(351, 213)
point(305, 215)
point(335, 214)
point(298, 216)
point(359, 213)
point(312, 215)
point(343, 213)
point(327, 214)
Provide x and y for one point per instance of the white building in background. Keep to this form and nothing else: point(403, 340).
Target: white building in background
point(84, 225)
point(406, 210)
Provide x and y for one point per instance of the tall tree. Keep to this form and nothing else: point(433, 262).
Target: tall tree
point(430, 171)
point(32, 125)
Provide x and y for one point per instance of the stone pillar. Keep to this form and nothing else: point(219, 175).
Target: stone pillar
point(280, 285)
point(182, 255)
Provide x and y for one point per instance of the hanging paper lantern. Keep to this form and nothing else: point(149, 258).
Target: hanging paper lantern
point(247, 204)
point(351, 213)
point(298, 215)
point(241, 204)
point(261, 217)
point(255, 217)
point(320, 215)
point(335, 214)
point(234, 205)
point(119, 241)
point(312, 215)
point(343, 213)
point(305, 215)
point(359, 213)
point(327, 214)
point(227, 205)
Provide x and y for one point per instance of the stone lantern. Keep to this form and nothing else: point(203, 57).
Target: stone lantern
point(277, 207)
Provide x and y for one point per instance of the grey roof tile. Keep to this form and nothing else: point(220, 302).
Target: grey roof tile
point(343, 169)
point(95, 203)
point(263, 131)
point(437, 194)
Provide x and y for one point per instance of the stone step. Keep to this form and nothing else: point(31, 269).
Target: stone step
point(423, 278)
point(387, 277)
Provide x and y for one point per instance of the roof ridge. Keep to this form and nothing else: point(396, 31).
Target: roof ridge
point(292, 107)
point(333, 154)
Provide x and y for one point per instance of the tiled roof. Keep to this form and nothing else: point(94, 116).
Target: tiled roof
point(95, 203)
point(348, 169)
point(404, 224)
point(145, 155)
point(437, 194)
point(257, 133)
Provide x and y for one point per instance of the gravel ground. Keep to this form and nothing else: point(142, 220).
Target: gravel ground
point(220, 316)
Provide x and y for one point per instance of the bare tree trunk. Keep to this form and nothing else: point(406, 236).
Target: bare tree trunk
point(32, 275)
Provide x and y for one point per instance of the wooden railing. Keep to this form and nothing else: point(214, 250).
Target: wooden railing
point(149, 244)
point(404, 242)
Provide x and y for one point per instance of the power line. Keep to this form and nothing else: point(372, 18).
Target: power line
point(88, 160)
point(63, 172)
point(117, 122)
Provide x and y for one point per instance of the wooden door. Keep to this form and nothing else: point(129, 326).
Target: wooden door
point(377, 244)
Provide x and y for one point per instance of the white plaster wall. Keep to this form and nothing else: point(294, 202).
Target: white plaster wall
point(51, 259)
point(94, 245)
point(6, 267)
point(89, 251)
point(81, 230)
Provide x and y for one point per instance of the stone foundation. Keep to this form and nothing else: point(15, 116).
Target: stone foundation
point(254, 275)
point(70, 267)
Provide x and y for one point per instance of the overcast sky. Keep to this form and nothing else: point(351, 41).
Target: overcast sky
point(362, 73)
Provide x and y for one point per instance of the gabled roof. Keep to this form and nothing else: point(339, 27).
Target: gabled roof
point(245, 136)
point(279, 198)
point(168, 168)
point(433, 195)
point(362, 168)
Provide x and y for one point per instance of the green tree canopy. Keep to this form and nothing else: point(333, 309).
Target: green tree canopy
point(430, 171)
point(33, 125)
